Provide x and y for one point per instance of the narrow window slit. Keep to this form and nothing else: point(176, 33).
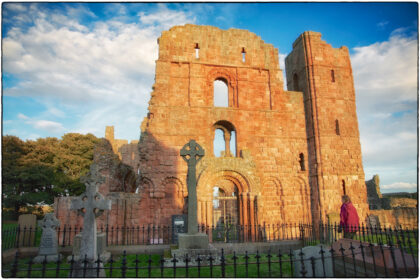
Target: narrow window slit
point(197, 51)
point(337, 127)
point(332, 76)
point(243, 54)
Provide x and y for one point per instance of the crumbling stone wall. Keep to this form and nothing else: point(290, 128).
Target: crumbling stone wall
point(297, 150)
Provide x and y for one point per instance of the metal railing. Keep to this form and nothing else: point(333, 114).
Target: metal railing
point(155, 234)
point(354, 259)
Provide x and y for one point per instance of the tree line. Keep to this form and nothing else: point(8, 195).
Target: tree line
point(36, 171)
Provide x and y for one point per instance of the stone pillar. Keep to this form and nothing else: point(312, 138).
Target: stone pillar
point(226, 135)
point(209, 215)
point(241, 215)
point(244, 198)
point(252, 216)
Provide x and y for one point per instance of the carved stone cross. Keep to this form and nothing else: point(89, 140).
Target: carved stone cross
point(90, 205)
point(192, 153)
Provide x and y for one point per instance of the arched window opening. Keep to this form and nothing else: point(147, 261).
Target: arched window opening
point(343, 184)
point(295, 82)
point(197, 51)
point(221, 93)
point(337, 127)
point(332, 76)
point(224, 143)
point(302, 162)
point(218, 143)
point(243, 54)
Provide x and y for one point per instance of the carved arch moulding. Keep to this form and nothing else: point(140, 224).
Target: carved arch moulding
point(229, 76)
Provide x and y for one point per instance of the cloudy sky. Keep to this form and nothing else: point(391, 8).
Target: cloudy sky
point(77, 67)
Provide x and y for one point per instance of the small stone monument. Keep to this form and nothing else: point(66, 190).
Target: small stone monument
point(48, 249)
point(193, 242)
point(309, 262)
point(27, 227)
point(90, 205)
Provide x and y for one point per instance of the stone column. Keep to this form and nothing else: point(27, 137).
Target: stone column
point(244, 197)
point(241, 214)
point(252, 216)
point(199, 213)
point(210, 218)
point(226, 136)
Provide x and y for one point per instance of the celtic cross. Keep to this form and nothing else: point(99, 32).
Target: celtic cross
point(192, 153)
point(90, 205)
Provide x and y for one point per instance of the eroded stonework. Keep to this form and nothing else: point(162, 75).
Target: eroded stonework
point(297, 150)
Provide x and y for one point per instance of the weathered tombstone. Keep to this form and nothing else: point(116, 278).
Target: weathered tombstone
point(373, 221)
point(48, 249)
point(90, 205)
point(310, 262)
point(179, 225)
point(375, 261)
point(27, 229)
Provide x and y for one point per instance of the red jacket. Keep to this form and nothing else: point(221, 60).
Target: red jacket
point(349, 219)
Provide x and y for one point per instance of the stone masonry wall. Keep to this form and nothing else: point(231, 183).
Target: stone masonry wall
point(324, 74)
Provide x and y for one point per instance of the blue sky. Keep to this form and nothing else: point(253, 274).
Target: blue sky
point(77, 67)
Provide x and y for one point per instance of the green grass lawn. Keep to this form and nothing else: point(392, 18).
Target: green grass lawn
point(253, 270)
point(9, 235)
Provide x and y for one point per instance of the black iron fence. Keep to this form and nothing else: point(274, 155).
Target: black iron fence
point(342, 259)
point(15, 237)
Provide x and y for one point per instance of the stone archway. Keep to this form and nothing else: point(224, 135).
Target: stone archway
point(240, 173)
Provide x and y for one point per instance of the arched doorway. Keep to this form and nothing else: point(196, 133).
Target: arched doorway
point(227, 204)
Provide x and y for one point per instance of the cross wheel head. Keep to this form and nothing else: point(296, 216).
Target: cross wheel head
point(192, 152)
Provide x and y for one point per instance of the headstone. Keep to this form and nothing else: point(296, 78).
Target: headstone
point(90, 205)
point(377, 260)
point(27, 226)
point(48, 249)
point(373, 221)
point(310, 262)
point(179, 225)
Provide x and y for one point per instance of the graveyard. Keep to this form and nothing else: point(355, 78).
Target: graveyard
point(268, 206)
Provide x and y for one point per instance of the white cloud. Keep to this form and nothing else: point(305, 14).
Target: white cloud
point(385, 75)
point(48, 126)
point(400, 187)
point(103, 74)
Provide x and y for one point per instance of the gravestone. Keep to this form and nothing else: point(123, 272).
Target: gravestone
point(179, 225)
point(90, 205)
point(373, 221)
point(333, 224)
point(319, 266)
point(27, 227)
point(375, 261)
point(48, 249)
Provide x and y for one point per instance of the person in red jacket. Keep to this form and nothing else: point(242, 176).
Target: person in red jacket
point(349, 220)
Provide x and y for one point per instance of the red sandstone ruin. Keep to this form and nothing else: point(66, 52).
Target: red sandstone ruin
point(296, 151)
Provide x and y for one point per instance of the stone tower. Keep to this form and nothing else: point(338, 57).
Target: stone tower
point(324, 75)
point(295, 152)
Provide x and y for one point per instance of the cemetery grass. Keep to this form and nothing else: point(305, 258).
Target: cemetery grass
point(155, 270)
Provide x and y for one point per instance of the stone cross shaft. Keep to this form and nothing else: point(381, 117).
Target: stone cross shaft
point(90, 205)
point(192, 154)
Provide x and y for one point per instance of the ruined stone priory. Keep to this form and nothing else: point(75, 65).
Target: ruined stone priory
point(289, 154)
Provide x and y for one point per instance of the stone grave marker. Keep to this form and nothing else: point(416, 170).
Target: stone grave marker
point(303, 264)
point(377, 261)
point(27, 225)
point(90, 205)
point(179, 225)
point(48, 249)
